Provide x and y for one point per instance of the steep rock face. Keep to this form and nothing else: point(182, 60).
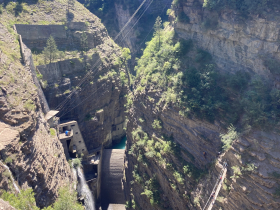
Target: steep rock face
point(98, 104)
point(35, 158)
point(254, 189)
point(235, 43)
point(253, 164)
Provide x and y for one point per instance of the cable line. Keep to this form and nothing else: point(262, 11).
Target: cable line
point(60, 106)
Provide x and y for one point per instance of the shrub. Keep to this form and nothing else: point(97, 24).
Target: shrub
point(76, 162)
point(29, 105)
point(9, 159)
point(52, 132)
point(157, 124)
point(1, 9)
point(229, 137)
point(236, 172)
point(22, 201)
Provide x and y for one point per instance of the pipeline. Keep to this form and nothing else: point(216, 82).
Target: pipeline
point(12, 178)
point(83, 190)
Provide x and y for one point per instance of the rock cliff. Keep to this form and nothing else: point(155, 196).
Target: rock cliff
point(35, 158)
point(165, 165)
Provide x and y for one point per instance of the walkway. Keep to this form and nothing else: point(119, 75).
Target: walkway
point(214, 194)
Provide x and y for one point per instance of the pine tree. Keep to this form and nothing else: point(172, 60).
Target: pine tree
point(50, 51)
point(84, 42)
point(158, 29)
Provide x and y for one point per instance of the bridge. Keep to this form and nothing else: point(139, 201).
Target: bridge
point(214, 194)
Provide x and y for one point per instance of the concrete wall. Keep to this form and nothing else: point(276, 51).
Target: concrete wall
point(77, 138)
point(54, 71)
point(36, 36)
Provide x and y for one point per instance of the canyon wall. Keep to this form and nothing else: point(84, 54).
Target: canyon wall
point(186, 177)
point(34, 156)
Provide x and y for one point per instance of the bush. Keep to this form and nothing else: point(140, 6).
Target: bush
point(1, 9)
point(157, 124)
point(52, 132)
point(228, 138)
point(22, 201)
point(29, 105)
point(76, 162)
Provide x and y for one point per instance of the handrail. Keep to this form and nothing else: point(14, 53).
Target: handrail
point(218, 180)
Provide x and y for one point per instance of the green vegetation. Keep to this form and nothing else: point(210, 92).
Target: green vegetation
point(152, 190)
point(76, 162)
point(236, 172)
point(157, 124)
point(52, 132)
point(192, 83)
point(23, 200)
point(67, 200)
point(29, 105)
point(84, 42)
point(9, 159)
point(50, 51)
point(244, 7)
point(228, 138)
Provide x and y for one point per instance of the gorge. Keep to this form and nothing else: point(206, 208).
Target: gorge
point(158, 126)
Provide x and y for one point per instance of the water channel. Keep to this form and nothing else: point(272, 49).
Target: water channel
point(120, 145)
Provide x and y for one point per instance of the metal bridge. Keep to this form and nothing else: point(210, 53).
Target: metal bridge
point(214, 194)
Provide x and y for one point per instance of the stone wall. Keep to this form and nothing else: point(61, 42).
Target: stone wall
point(36, 36)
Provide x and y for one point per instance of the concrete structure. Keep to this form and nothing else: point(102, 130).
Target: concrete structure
point(111, 181)
point(36, 36)
point(51, 119)
point(73, 143)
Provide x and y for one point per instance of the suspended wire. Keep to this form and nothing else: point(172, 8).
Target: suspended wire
point(60, 106)
point(138, 19)
point(83, 100)
point(151, 28)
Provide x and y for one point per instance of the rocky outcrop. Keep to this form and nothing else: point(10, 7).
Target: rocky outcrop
point(253, 167)
point(234, 42)
point(35, 158)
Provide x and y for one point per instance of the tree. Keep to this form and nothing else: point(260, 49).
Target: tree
point(84, 42)
point(158, 29)
point(50, 51)
point(23, 200)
